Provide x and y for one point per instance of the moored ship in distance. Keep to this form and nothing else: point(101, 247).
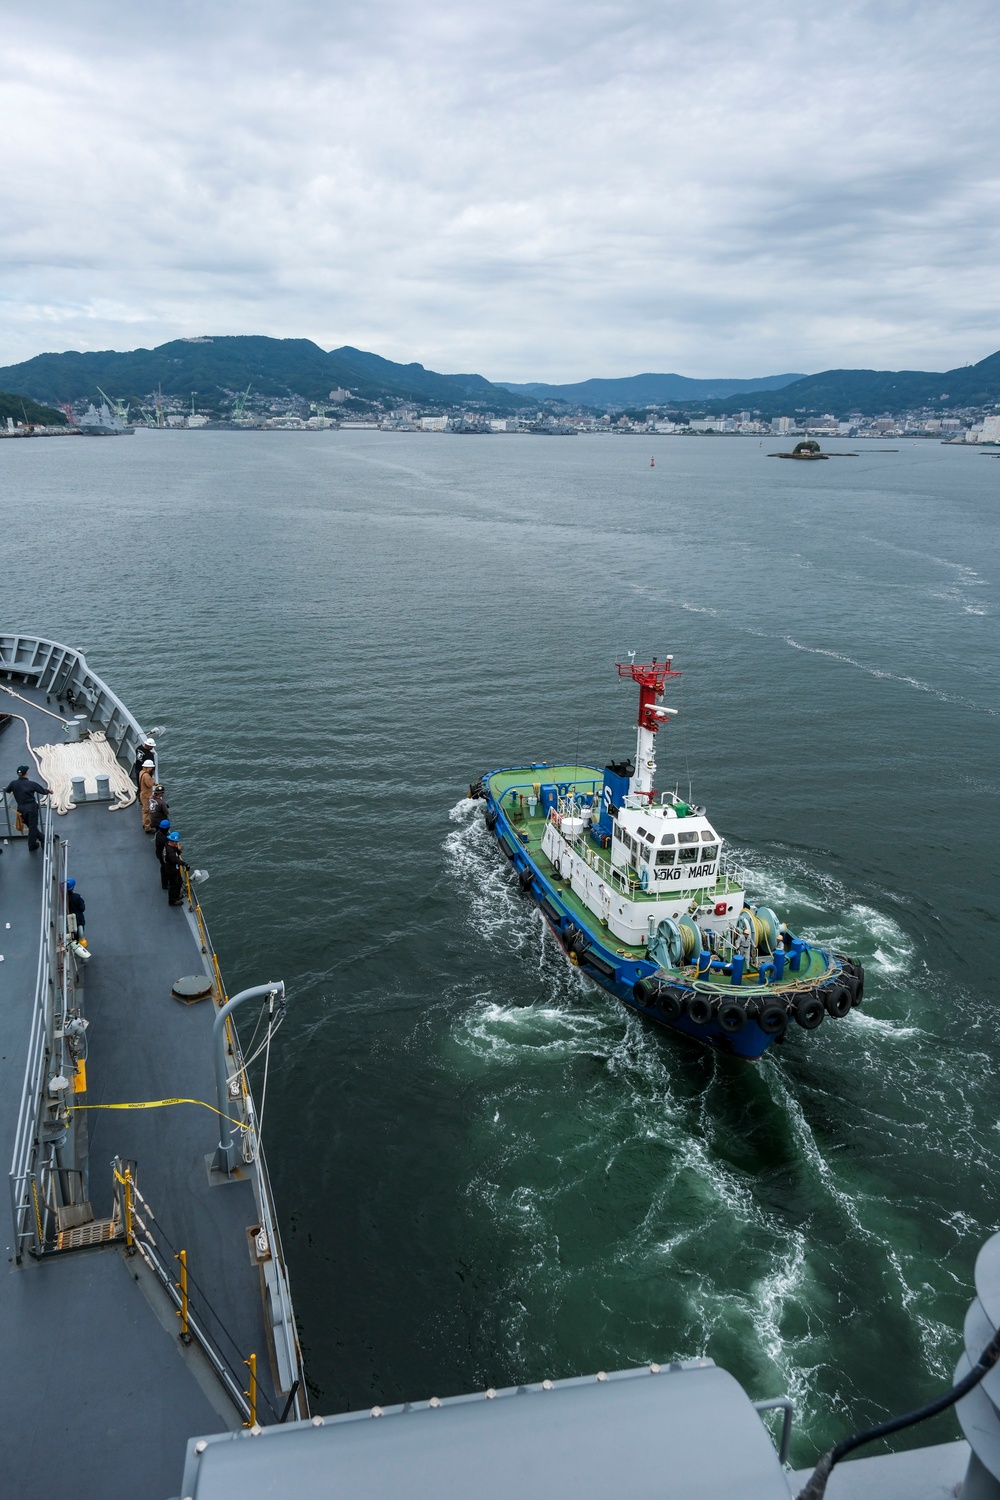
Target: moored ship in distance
point(146, 1296)
point(636, 888)
point(103, 422)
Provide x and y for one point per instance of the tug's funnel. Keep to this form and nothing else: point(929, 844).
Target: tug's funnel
point(616, 784)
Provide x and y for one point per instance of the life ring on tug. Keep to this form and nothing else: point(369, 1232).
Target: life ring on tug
point(720, 908)
point(526, 878)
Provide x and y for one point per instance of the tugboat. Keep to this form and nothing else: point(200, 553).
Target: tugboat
point(634, 886)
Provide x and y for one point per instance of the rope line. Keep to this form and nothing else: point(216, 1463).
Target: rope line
point(163, 1104)
point(21, 699)
point(27, 734)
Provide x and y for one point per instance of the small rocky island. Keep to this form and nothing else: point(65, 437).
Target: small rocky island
point(808, 450)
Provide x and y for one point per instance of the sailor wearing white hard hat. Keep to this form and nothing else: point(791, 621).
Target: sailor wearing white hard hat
point(147, 779)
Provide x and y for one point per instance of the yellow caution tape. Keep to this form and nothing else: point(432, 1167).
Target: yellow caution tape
point(162, 1104)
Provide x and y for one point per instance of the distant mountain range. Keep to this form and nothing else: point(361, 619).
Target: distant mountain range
point(871, 392)
point(209, 368)
point(646, 390)
point(273, 367)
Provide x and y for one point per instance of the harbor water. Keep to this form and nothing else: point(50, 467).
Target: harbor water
point(486, 1170)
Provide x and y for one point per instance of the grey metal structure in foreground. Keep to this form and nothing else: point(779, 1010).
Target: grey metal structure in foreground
point(686, 1429)
point(979, 1412)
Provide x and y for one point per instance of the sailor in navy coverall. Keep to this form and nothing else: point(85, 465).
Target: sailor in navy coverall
point(26, 794)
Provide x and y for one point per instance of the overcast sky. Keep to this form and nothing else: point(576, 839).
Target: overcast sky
point(547, 190)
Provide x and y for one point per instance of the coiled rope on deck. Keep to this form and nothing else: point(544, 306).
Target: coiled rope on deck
point(88, 758)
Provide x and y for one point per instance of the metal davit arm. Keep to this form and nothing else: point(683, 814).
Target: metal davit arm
point(225, 1156)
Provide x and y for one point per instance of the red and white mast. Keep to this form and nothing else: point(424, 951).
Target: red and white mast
point(651, 677)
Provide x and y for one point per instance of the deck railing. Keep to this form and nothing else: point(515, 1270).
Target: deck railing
point(28, 1197)
point(286, 1348)
point(730, 876)
point(62, 673)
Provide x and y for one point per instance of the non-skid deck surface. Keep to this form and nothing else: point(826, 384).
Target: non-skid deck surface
point(143, 1045)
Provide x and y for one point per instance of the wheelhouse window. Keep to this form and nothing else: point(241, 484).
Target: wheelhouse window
point(664, 856)
point(642, 833)
point(689, 855)
point(709, 852)
point(668, 838)
point(687, 837)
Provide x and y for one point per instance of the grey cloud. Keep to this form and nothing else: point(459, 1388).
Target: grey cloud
point(543, 192)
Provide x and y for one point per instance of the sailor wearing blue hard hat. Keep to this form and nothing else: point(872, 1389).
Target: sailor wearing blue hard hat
point(162, 829)
point(175, 867)
point(75, 908)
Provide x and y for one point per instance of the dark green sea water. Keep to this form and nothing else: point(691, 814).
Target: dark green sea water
point(486, 1170)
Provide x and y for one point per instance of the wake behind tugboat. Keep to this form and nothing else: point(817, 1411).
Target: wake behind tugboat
point(635, 888)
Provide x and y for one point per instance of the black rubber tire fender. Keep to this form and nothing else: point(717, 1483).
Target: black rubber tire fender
point(491, 817)
point(579, 944)
point(837, 999)
point(731, 1016)
point(699, 1010)
point(526, 878)
point(670, 1004)
point(772, 1018)
point(809, 1011)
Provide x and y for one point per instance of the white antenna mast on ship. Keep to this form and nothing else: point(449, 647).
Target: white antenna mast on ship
point(651, 677)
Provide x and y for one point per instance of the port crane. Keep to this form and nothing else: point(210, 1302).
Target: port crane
point(118, 406)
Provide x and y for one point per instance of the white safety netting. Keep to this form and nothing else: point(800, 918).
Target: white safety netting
point(89, 758)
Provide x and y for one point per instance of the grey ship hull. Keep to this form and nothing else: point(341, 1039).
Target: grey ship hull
point(94, 1378)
